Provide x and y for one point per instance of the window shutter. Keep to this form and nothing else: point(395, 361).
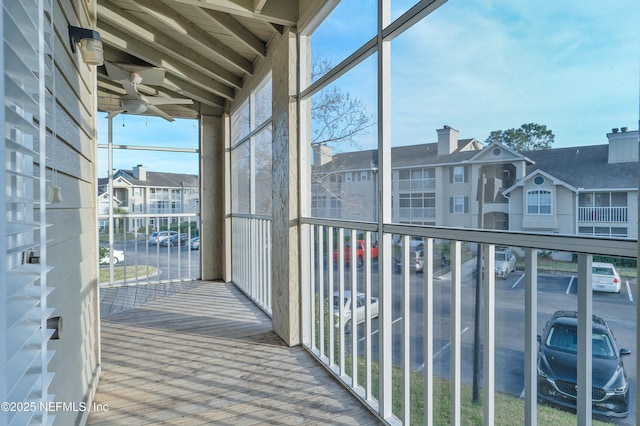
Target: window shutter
point(450, 204)
point(450, 174)
point(466, 203)
point(466, 174)
point(28, 73)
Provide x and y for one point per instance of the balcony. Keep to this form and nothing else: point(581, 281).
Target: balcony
point(602, 214)
point(202, 353)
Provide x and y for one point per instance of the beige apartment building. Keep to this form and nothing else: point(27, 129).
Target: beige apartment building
point(583, 190)
point(141, 192)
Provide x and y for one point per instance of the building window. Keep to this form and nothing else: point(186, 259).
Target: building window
point(348, 177)
point(364, 176)
point(459, 205)
point(458, 174)
point(539, 202)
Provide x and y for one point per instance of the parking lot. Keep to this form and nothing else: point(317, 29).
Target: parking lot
point(555, 292)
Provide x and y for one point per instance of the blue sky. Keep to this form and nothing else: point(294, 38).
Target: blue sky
point(476, 65)
point(482, 65)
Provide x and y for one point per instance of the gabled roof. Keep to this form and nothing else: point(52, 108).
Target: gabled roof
point(401, 156)
point(585, 167)
point(539, 172)
point(156, 179)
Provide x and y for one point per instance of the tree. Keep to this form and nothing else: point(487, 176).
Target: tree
point(529, 137)
point(337, 117)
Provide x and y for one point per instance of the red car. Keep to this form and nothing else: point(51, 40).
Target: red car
point(359, 252)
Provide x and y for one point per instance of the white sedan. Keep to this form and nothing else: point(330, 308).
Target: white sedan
point(604, 277)
point(346, 312)
point(116, 257)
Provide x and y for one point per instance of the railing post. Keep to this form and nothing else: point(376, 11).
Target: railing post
point(585, 312)
point(456, 322)
point(489, 333)
point(530, 337)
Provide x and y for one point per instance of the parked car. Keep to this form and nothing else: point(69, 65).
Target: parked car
point(116, 257)
point(195, 243)
point(416, 260)
point(604, 277)
point(174, 239)
point(360, 308)
point(505, 262)
point(158, 237)
point(557, 366)
point(359, 252)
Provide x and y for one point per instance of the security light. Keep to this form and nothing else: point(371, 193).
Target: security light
point(90, 44)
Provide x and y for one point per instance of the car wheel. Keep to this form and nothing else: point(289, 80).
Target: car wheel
point(360, 262)
point(506, 275)
point(114, 260)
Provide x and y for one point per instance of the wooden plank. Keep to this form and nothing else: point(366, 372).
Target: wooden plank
point(209, 356)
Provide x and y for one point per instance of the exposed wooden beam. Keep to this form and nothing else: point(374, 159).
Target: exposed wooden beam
point(283, 12)
point(178, 23)
point(239, 32)
point(122, 40)
point(119, 18)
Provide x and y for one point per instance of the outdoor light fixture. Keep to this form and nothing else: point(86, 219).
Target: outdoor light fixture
point(90, 44)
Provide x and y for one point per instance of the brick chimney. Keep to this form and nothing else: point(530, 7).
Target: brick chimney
point(140, 172)
point(447, 140)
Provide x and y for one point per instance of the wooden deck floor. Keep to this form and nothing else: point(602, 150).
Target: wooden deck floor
point(208, 356)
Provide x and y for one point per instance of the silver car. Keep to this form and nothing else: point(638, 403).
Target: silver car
point(505, 262)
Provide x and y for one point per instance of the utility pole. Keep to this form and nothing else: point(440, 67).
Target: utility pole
point(478, 315)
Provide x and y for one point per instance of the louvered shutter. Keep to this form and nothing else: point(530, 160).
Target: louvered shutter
point(27, 64)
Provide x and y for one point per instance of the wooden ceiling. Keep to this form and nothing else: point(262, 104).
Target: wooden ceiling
point(206, 47)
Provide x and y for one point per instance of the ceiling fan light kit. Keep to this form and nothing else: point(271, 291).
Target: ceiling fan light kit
point(134, 106)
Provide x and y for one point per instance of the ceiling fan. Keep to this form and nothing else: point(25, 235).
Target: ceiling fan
point(134, 102)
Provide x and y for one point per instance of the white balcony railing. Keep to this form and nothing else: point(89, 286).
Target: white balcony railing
point(408, 355)
point(141, 259)
point(251, 254)
point(602, 214)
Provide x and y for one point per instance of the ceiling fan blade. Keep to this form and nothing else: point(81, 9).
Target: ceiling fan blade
point(152, 76)
point(115, 72)
point(115, 112)
point(157, 100)
point(157, 111)
point(130, 88)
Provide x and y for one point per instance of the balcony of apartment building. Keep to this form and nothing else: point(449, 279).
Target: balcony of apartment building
point(293, 310)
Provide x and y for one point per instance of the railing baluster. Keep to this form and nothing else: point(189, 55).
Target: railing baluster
point(456, 323)
point(530, 337)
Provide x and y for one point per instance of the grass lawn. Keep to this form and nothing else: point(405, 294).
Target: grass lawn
point(118, 273)
point(572, 268)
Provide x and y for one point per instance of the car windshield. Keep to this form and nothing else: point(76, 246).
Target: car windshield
point(565, 338)
point(602, 270)
point(336, 303)
point(501, 255)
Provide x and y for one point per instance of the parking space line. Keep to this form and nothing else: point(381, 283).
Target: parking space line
point(629, 291)
point(442, 349)
point(570, 284)
point(377, 329)
point(518, 281)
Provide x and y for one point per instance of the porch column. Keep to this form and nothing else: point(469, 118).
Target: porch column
point(212, 190)
point(286, 225)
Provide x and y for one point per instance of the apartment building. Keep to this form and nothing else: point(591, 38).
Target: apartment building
point(142, 192)
point(455, 182)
